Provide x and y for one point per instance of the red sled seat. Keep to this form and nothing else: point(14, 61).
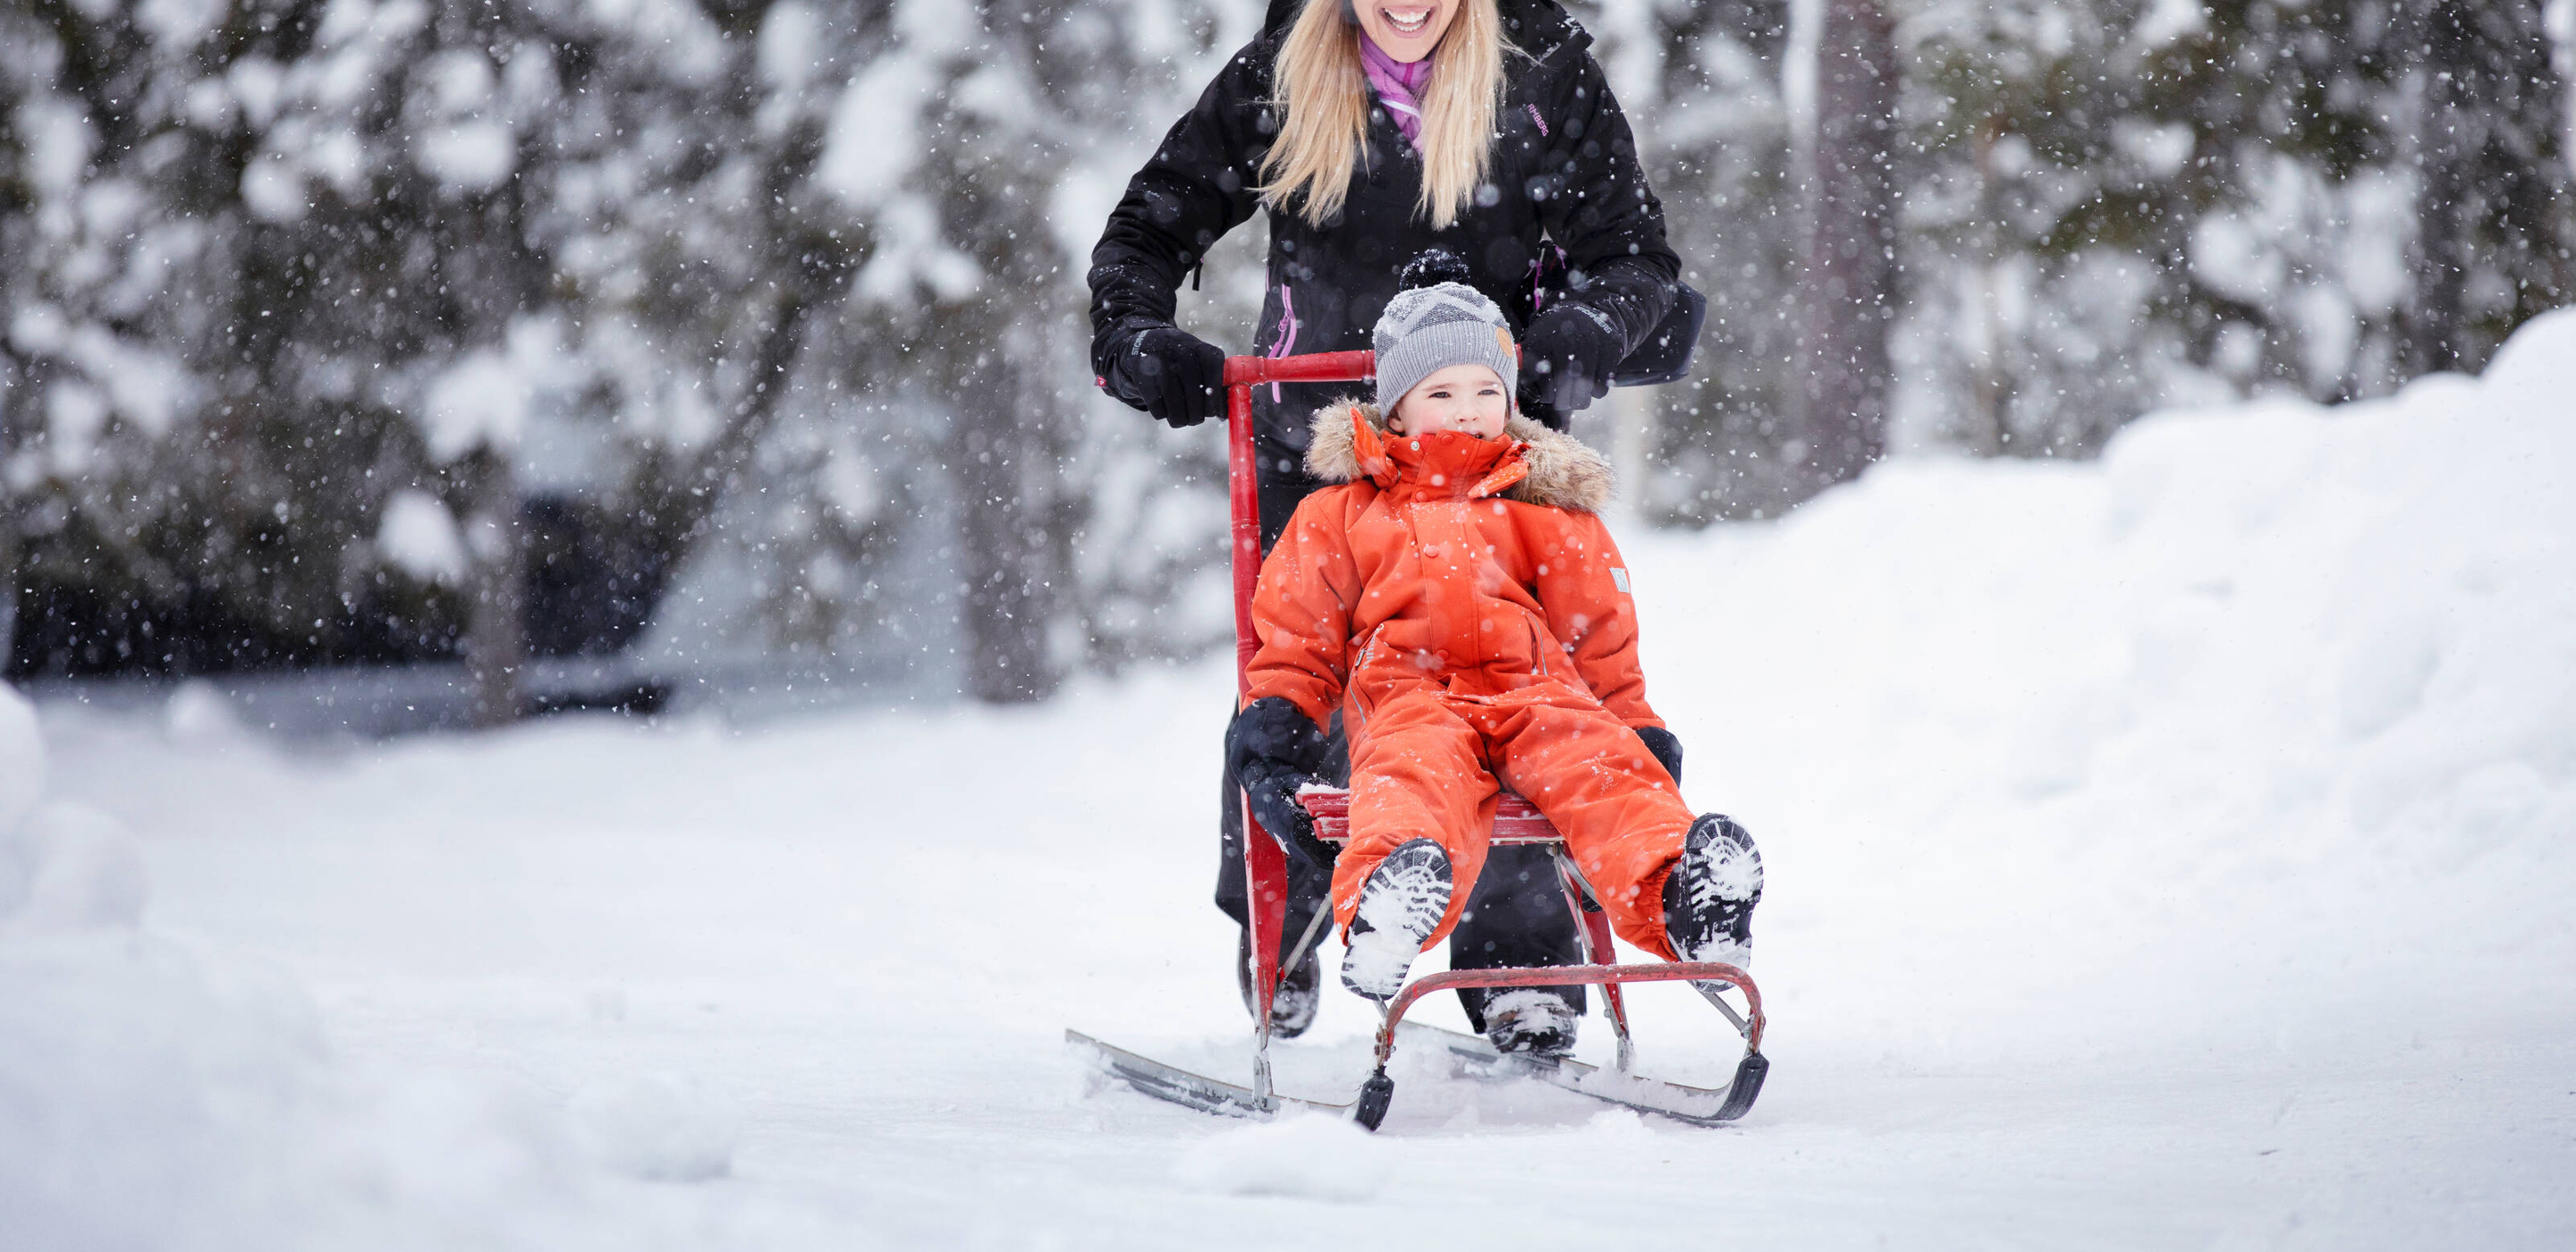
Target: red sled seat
point(1516, 821)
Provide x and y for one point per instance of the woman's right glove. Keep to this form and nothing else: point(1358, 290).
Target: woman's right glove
point(1272, 749)
point(1179, 376)
point(1568, 355)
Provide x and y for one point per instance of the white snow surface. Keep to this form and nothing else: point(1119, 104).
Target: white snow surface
point(22, 759)
point(1307, 1155)
point(2172, 851)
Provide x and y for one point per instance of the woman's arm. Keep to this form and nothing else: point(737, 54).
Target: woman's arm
point(1595, 203)
point(1198, 185)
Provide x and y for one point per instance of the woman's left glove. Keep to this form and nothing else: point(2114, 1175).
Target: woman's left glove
point(1179, 376)
point(1568, 356)
point(1273, 749)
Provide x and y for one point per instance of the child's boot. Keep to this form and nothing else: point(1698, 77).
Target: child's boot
point(1400, 905)
point(1709, 898)
point(1533, 1020)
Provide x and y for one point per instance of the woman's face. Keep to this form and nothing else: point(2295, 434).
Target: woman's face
point(1406, 29)
point(1468, 399)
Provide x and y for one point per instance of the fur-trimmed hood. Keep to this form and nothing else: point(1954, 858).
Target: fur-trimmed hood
point(1562, 472)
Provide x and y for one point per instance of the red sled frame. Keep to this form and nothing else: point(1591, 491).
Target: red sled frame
point(1516, 822)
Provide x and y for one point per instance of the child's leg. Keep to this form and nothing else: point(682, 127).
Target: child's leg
point(1622, 818)
point(1417, 773)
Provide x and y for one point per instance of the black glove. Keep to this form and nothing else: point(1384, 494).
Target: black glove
point(1568, 356)
point(1666, 747)
point(1180, 376)
point(1272, 748)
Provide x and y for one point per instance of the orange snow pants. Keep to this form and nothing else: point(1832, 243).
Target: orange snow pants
point(1430, 764)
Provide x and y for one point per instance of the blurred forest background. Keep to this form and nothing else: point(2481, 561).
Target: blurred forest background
point(726, 336)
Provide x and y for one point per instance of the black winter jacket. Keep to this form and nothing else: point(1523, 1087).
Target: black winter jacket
point(1564, 176)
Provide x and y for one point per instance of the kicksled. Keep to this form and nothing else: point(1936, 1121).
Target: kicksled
point(1516, 822)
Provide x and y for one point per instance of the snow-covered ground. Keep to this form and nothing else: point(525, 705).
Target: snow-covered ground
point(2174, 851)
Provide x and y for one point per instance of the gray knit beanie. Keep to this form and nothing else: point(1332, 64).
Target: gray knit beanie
point(1429, 328)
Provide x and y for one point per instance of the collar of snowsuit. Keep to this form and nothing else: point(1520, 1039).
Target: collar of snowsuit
point(1530, 463)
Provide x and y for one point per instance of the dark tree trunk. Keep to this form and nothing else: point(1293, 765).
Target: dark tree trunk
point(1005, 480)
point(1850, 283)
point(496, 632)
point(679, 508)
point(2492, 228)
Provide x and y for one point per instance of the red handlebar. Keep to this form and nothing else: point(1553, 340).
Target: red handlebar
point(1242, 374)
point(1314, 367)
point(1265, 874)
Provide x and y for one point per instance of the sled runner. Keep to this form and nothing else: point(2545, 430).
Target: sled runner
point(1516, 822)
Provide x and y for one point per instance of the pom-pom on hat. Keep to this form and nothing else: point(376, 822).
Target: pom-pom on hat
point(1435, 322)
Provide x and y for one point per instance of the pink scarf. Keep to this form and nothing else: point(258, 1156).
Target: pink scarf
point(1399, 86)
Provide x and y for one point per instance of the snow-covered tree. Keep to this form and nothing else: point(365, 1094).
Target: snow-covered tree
point(2129, 204)
point(983, 151)
point(381, 329)
point(1703, 87)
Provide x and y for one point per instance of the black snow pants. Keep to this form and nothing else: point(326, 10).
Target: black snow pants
point(1517, 915)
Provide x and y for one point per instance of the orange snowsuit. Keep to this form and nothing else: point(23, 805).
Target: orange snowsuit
point(1461, 601)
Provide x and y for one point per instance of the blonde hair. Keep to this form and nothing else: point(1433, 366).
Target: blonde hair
point(1323, 99)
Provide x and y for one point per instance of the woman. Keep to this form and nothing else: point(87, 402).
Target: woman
point(1369, 132)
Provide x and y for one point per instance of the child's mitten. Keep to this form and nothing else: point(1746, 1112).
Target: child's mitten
point(1666, 747)
point(1272, 749)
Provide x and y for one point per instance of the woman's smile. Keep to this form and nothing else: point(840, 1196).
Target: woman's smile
point(1406, 30)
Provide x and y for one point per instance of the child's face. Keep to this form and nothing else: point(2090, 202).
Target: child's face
point(1469, 399)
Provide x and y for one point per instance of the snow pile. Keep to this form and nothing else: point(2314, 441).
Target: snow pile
point(1305, 1155)
point(140, 1083)
point(160, 1094)
point(135, 1078)
point(2273, 697)
point(200, 715)
point(22, 759)
point(69, 868)
point(64, 866)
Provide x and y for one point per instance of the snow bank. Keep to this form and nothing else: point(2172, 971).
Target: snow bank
point(22, 758)
point(200, 715)
point(168, 1095)
point(69, 868)
point(138, 1085)
point(2276, 696)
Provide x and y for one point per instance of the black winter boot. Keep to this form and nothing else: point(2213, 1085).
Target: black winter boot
point(1534, 1020)
point(1400, 905)
point(1709, 897)
point(1293, 1004)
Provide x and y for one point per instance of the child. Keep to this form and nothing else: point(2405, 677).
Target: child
point(1457, 596)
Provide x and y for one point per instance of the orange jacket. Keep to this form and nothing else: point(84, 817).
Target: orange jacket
point(1475, 565)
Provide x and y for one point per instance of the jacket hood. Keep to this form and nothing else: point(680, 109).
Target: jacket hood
point(1562, 472)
